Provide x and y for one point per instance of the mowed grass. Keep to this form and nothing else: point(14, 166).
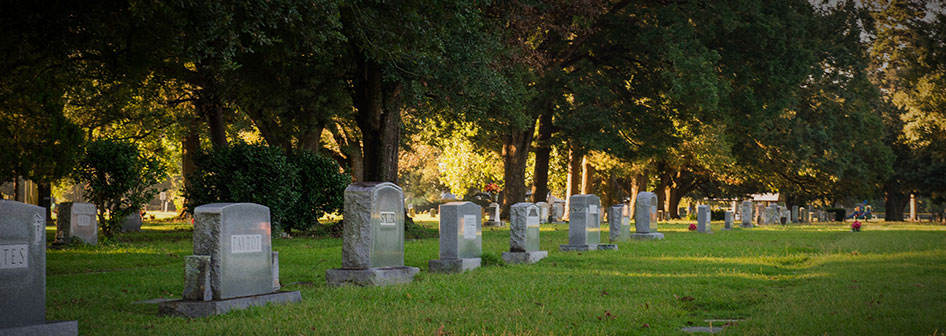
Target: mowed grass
point(785, 280)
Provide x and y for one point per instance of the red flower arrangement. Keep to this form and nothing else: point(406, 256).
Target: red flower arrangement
point(491, 187)
point(856, 226)
point(692, 227)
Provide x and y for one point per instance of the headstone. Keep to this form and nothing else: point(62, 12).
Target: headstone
point(492, 212)
point(544, 212)
point(373, 238)
point(803, 215)
point(728, 220)
point(233, 263)
point(703, 219)
point(653, 214)
point(619, 222)
point(584, 226)
point(770, 214)
point(746, 215)
point(784, 215)
point(794, 218)
point(23, 273)
point(644, 227)
point(524, 235)
point(132, 222)
point(461, 238)
point(78, 220)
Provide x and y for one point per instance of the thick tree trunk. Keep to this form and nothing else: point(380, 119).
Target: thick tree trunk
point(45, 191)
point(379, 119)
point(587, 176)
point(543, 152)
point(515, 153)
point(638, 185)
point(190, 147)
point(661, 189)
point(209, 105)
point(311, 139)
point(573, 186)
point(895, 202)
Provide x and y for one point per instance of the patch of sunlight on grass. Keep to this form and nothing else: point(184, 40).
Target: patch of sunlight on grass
point(719, 273)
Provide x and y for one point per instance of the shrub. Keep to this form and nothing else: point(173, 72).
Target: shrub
point(839, 213)
point(298, 188)
point(717, 215)
point(118, 180)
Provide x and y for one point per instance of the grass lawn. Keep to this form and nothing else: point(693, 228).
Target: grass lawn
point(795, 280)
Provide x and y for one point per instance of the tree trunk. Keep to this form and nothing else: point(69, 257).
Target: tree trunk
point(311, 139)
point(210, 106)
point(587, 176)
point(573, 186)
point(515, 154)
point(895, 201)
point(543, 152)
point(190, 147)
point(638, 185)
point(380, 122)
point(45, 191)
point(661, 189)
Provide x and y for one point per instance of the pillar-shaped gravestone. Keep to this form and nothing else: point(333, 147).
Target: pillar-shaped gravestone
point(77, 220)
point(784, 216)
point(544, 211)
point(770, 214)
point(584, 226)
point(802, 215)
point(703, 219)
point(373, 238)
point(461, 238)
point(728, 220)
point(644, 227)
point(132, 222)
point(23, 273)
point(524, 235)
point(746, 214)
point(794, 218)
point(492, 213)
point(619, 222)
point(233, 266)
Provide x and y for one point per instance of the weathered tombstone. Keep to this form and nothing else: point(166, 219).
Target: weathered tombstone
point(746, 214)
point(770, 214)
point(233, 266)
point(373, 246)
point(584, 226)
point(77, 220)
point(728, 220)
point(558, 210)
point(794, 218)
point(703, 219)
point(524, 235)
point(784, 215)
point(23, 273)
point(803, 215)
point(132, 222)
point(759, 214)
point(461, 238)
point(492, 212)
point(544, 211)
point(619, 223)
point(644, 228)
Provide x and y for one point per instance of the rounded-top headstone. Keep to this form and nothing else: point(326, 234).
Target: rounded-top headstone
point(642, 211)
point(22, 264)
point(238, 239)
point(374, 226)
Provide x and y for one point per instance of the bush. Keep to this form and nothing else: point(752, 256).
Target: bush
point(839, 213)
point(717, 215)
point(118, 180)
point(298, 188)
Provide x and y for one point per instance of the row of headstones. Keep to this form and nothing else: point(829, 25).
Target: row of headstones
point(548, 212)
point(78, 221)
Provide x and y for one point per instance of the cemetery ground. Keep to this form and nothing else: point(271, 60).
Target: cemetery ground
point(795, 279)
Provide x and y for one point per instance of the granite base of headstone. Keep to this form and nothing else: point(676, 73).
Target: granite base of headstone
point(461, 238)
point(373, 238)
point(132, 223)
point(23, 273)
point(524, 235)
point(78, 221)
point(703, 219)
point(727, 223)
point(233, 266)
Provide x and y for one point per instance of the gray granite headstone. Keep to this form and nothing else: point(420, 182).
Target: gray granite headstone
point(373, 237)
point(703, 219)
point(492, 213)
point(461, 238)
point(78, 220)
point(544, 211)
point(644, 224)
point(746, 214)
point(238, 239)
point(132, 222)
point(794, 218)
point(771, 214)
point(23, 272)
point(558, 210)
point(524, 235)
point(728, 220)
point(619, 222)
point(584, 227)
point(784, 215)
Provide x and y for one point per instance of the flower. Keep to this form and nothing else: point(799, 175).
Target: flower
point(491, 187)
point(856, 225)
point(692, 227)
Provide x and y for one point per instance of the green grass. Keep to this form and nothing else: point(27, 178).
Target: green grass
point(794, 280)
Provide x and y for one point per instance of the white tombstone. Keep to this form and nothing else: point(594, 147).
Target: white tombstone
point(79, 221)
point(524, 235)
point(584, 226)
point(461, 238)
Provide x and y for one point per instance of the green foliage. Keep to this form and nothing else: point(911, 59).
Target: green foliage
point(118, 179)
point(298, 188)
point(464, 169)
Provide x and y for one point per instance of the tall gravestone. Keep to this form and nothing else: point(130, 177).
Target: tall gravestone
point(784, 216)
point(78, 220)
point(23, 273)
point(643, 225)
point(132, 222)
point(373, 238)
point(746, 214)
point(703, 219)
point(619, 222)
point(544, 212)
point(771, 213)
point(524, 235)
point(492, 212)
point(461, 238)
point(803, 215)
point(794, 218)
point(727, 222)
point(233, 266)
point(584, 226)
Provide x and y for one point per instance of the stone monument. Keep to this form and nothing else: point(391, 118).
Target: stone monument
point(794, 218)
point(784, 216)
point(23, 273)
point(644, 227)
point(78, 220)
point(492, 212)
point(233, 266)
point(373, 238)
point(132, 222)
point(619, 222)
point(584, 226)
point(802, 215)
point(544, 212)
point(746, 214)
point(728, 220)
point(461, 238)
point(703, 219)
point(524, 235)
point(771, 214)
